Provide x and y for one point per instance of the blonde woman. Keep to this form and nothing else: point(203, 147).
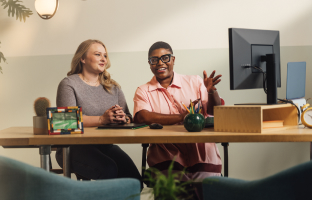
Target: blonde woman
point(89, 85)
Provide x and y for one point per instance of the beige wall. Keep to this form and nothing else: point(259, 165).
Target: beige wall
point(39, 54)
point(130, 26)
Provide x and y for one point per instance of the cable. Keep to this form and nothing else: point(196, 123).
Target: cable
point(265, 88)
point(291, 102)
point(264, 77)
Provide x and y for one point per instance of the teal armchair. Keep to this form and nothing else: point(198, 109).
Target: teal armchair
point(293, 183)
point(24, 182)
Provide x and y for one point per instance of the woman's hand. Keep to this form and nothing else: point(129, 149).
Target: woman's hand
point(211, 81)
point(120, 116)
point(114, 114)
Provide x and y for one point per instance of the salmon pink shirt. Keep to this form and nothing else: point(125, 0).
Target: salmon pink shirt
point(200, 159)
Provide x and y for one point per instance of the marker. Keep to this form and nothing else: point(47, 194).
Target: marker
point(185, 107)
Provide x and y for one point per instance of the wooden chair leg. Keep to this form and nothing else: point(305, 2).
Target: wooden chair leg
point(226, 159)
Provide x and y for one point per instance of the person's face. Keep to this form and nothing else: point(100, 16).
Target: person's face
point(95, 59)
point(161, 70)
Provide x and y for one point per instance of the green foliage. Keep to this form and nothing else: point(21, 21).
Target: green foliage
point(2, 58)
point(20, 11)
point(167, 187)
point(40, 105)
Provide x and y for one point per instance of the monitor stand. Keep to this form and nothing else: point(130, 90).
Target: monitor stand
point(270, 79)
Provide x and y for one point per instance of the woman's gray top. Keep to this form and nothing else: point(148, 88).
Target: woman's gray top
point(94, 100)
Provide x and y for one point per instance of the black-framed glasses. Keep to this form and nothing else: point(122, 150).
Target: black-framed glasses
point(164, 58)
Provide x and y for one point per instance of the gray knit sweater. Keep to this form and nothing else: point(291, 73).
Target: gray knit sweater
point(94, 100)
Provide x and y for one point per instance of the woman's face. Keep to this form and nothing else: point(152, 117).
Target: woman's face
point(95, 59)
point(162, 70)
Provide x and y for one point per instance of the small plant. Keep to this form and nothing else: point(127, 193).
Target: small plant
point(40, 105)
point(167, 187)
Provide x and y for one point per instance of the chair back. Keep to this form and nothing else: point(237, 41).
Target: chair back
point(22, 181)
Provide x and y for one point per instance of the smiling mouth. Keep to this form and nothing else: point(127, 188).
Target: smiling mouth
point(162, 69)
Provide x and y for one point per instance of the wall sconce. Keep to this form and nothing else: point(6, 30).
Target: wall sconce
point(46, 9)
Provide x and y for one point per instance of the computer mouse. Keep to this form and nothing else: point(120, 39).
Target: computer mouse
point(155, 126)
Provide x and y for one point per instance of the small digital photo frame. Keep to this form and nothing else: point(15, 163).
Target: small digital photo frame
point(64, 120)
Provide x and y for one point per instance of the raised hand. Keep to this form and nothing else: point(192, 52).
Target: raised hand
point(211, 81)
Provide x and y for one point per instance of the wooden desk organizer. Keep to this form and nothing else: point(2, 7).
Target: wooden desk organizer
point(249, 118)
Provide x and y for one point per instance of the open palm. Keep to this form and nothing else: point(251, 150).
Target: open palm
point(211, 81)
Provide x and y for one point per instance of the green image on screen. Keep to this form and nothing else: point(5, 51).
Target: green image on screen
point(65, 121)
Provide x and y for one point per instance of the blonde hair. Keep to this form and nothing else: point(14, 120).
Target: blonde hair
point(76, 65)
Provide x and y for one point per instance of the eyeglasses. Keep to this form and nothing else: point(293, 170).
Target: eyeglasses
point(164, 58)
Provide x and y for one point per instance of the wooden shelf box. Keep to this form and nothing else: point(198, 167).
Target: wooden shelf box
point(249, 118)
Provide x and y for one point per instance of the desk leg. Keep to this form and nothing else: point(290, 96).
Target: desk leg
point(226, 159)
point(310, 150)
point(44, 152)
point(66, 162)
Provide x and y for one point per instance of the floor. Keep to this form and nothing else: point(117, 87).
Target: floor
point(146, 194)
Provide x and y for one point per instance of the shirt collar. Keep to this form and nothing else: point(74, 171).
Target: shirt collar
point(154, 84)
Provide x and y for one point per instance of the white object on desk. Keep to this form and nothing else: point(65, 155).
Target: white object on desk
point(300, 102)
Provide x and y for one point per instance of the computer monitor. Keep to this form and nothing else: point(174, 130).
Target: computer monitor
point(255, 60)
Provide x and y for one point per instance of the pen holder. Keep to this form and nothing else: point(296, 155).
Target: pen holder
point(194, 122)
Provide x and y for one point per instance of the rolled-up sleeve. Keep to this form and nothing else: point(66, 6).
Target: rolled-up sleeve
point(141, 101)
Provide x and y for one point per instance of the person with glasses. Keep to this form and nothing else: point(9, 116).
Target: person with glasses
point(160, 101)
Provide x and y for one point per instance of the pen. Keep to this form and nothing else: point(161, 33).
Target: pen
point(198, 106)
point(185, 107)
point(192, 106)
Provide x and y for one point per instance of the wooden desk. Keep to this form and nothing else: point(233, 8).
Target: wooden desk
point(24, 137)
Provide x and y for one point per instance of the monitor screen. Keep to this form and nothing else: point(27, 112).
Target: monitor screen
point(296, 80)
point(248, 51)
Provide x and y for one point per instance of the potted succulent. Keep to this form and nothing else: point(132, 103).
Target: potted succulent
point(40, 122)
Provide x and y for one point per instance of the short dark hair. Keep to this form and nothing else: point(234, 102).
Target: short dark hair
point(159, 45)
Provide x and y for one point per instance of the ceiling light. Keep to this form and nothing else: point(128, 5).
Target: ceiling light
point(46, 9)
